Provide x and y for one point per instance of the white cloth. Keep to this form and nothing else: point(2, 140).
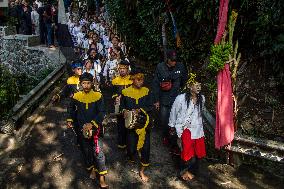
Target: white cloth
point(106, 41)
point(93, 26)
point(35, 21)
point(80, 39)
point(86, 43)
point(83, 22)
point(184, 116)
point(76, 30)
point(35, 17)
point(100, 49)
point(62, 18)
point(39, 4)
point(98, 69)
point(70, 26)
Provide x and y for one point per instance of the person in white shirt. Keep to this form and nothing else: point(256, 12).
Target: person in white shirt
point(75, 31)
point(186, 119)
point(93, 55)
point(111, 68)
point(94, 24)
point(99, 46)
point(35, 19)
point(81, 35)
point(114, 43)
point(71, 24)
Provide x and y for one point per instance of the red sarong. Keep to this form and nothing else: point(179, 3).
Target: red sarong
point(192, 147)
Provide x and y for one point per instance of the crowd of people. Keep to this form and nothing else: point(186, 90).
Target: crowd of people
point(35, 18)
point(102, 63)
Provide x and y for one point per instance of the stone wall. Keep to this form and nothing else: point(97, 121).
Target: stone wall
point(19, 54)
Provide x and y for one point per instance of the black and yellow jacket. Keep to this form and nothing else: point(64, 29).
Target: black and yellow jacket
point(133, 98)
point(86, 108)
point(72, 86)
point(119, 83)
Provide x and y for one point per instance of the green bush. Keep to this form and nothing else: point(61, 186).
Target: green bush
point(9, 92)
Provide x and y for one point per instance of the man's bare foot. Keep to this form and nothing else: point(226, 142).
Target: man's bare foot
point(103, 182)
point(187, 176)
point(143, 177)
point(93, 174)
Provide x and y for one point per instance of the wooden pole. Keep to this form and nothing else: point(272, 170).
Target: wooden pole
point(164, 37)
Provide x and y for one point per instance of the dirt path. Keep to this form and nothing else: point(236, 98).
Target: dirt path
point(52, 160)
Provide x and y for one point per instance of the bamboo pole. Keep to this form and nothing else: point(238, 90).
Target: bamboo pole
point(164, 37)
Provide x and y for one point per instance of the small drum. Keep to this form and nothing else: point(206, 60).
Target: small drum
point(135, 121)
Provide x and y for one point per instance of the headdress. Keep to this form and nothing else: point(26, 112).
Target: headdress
point(76, 64)
point(191, 79)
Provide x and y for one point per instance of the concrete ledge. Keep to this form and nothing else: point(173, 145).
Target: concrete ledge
point(31, 40)
point(8, 30)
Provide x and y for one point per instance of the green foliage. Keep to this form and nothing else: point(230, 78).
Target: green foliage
point(9, 92)
point(142, 22)
point(260, 32)
point(140, 25)
point(219, 55)
point(11, 86)
point(27, 82)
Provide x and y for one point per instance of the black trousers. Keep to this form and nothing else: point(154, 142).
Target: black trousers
point(78, 131)
point(132, 139)
point(42, 33)
point(164, 119)
point(91, 158)
point(121, 132)
point(191, 165)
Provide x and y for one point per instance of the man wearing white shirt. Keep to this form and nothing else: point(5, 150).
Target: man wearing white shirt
point(114, 44)
point(96, 63)
point(99, 46)
point(186, 119)
point(35, 19)
point(110, 69)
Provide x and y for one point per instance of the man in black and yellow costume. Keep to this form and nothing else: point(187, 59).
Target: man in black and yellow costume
point(87, 108)
point(138, 99)
point(73, 83)
point(72, 86)
point(119, 83)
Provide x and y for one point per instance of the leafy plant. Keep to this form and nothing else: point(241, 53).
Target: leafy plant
point(219, 55)
point(9, 92)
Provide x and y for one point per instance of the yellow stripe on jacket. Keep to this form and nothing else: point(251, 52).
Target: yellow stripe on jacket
point(87, 98)
point(134, 93)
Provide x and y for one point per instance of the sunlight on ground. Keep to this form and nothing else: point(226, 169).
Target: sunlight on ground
point(176, 184)
point(37, 165)
point(57, 109)
point(61, 178)
point(39, 119)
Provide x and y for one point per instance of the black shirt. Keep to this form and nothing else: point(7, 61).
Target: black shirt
point(177, 75)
